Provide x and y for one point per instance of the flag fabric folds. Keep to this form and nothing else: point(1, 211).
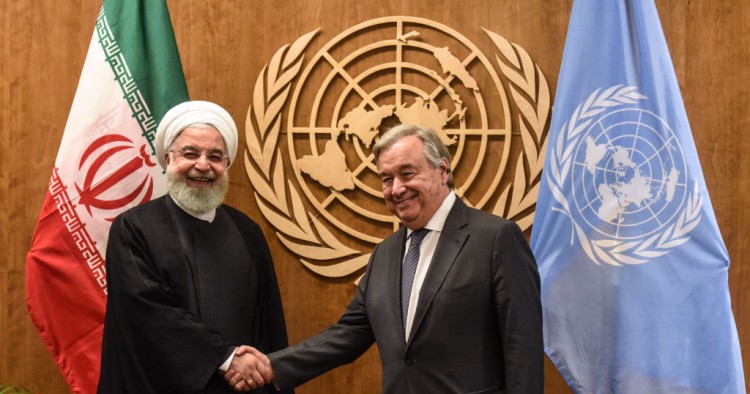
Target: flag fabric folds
point(131, 76)
point(634, 269)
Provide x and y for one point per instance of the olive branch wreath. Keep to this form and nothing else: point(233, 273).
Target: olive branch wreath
point(271, 92)
point(263, 126)
point(612, 251)
point(533, 101)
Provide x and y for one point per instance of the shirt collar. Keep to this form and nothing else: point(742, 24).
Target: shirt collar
point(437, 221)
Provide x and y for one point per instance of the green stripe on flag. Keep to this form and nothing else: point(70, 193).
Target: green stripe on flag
point(139, 44)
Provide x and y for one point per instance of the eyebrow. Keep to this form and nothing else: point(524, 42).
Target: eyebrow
point(193, 148)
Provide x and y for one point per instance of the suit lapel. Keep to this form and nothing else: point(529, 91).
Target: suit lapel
point(394, 254)
point(452, 239)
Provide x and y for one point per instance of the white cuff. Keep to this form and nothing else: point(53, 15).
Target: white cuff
point(225, 366)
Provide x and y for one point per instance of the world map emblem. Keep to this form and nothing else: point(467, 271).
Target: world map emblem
point(619, 174)
point(312, 125)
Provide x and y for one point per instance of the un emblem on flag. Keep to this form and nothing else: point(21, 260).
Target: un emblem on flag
point(621, 177)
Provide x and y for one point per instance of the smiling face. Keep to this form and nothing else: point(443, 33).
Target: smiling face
point(412, 188)
point(197, 184)
point(201, 172)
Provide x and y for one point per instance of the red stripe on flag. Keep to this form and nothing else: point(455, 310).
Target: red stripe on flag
point(66, 299)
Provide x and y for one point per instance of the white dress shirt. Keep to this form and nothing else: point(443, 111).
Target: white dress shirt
point(426, 251)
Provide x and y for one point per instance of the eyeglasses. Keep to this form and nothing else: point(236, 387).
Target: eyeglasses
point(191, 155)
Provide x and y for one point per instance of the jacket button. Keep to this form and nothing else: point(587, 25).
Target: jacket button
point(409, 361)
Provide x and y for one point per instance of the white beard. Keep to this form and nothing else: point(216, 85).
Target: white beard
point(193, 199)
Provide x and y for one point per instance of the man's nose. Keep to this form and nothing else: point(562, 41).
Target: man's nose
point(202, 163)
point(398, 186)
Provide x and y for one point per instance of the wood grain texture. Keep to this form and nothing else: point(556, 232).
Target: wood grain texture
point(224, 45)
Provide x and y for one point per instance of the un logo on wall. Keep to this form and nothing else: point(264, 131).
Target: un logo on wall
point(619, 174)
point(312, 125)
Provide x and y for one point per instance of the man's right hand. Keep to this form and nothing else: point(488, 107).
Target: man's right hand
point(249, 369)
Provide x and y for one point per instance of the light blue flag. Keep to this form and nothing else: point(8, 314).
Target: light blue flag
point(633, 267)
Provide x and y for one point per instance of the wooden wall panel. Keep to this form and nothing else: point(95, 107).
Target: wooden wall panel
point(225, 43)
point(716, 97)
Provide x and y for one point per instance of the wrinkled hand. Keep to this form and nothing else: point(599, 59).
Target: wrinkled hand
point(249, 369)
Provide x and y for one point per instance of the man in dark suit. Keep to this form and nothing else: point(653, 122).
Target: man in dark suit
point(452, 298)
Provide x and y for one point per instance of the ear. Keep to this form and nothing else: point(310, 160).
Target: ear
point(445, 170)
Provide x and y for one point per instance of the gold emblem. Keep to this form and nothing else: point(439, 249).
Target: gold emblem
point(321, 118)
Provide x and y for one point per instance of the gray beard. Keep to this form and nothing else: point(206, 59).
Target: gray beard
point(196, 200)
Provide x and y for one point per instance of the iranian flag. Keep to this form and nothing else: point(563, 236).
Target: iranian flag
point(106, 164)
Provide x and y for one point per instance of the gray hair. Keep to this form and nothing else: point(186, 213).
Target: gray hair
point(434, 148)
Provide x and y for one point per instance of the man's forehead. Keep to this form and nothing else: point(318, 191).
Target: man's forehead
point(398, 167)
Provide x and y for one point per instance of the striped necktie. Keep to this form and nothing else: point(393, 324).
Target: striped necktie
point(409, 269)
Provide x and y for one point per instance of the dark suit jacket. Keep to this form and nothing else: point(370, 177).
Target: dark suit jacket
point(477, 327)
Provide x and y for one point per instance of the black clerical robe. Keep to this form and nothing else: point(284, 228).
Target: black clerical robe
point(182, 293)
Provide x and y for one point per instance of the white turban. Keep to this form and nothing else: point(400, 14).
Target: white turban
point(185, 114)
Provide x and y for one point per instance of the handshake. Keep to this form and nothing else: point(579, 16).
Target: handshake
point(249, 370)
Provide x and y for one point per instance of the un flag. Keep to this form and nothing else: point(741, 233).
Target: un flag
point(633, 267)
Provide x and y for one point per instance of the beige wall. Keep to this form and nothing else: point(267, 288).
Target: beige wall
point(225, 43)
